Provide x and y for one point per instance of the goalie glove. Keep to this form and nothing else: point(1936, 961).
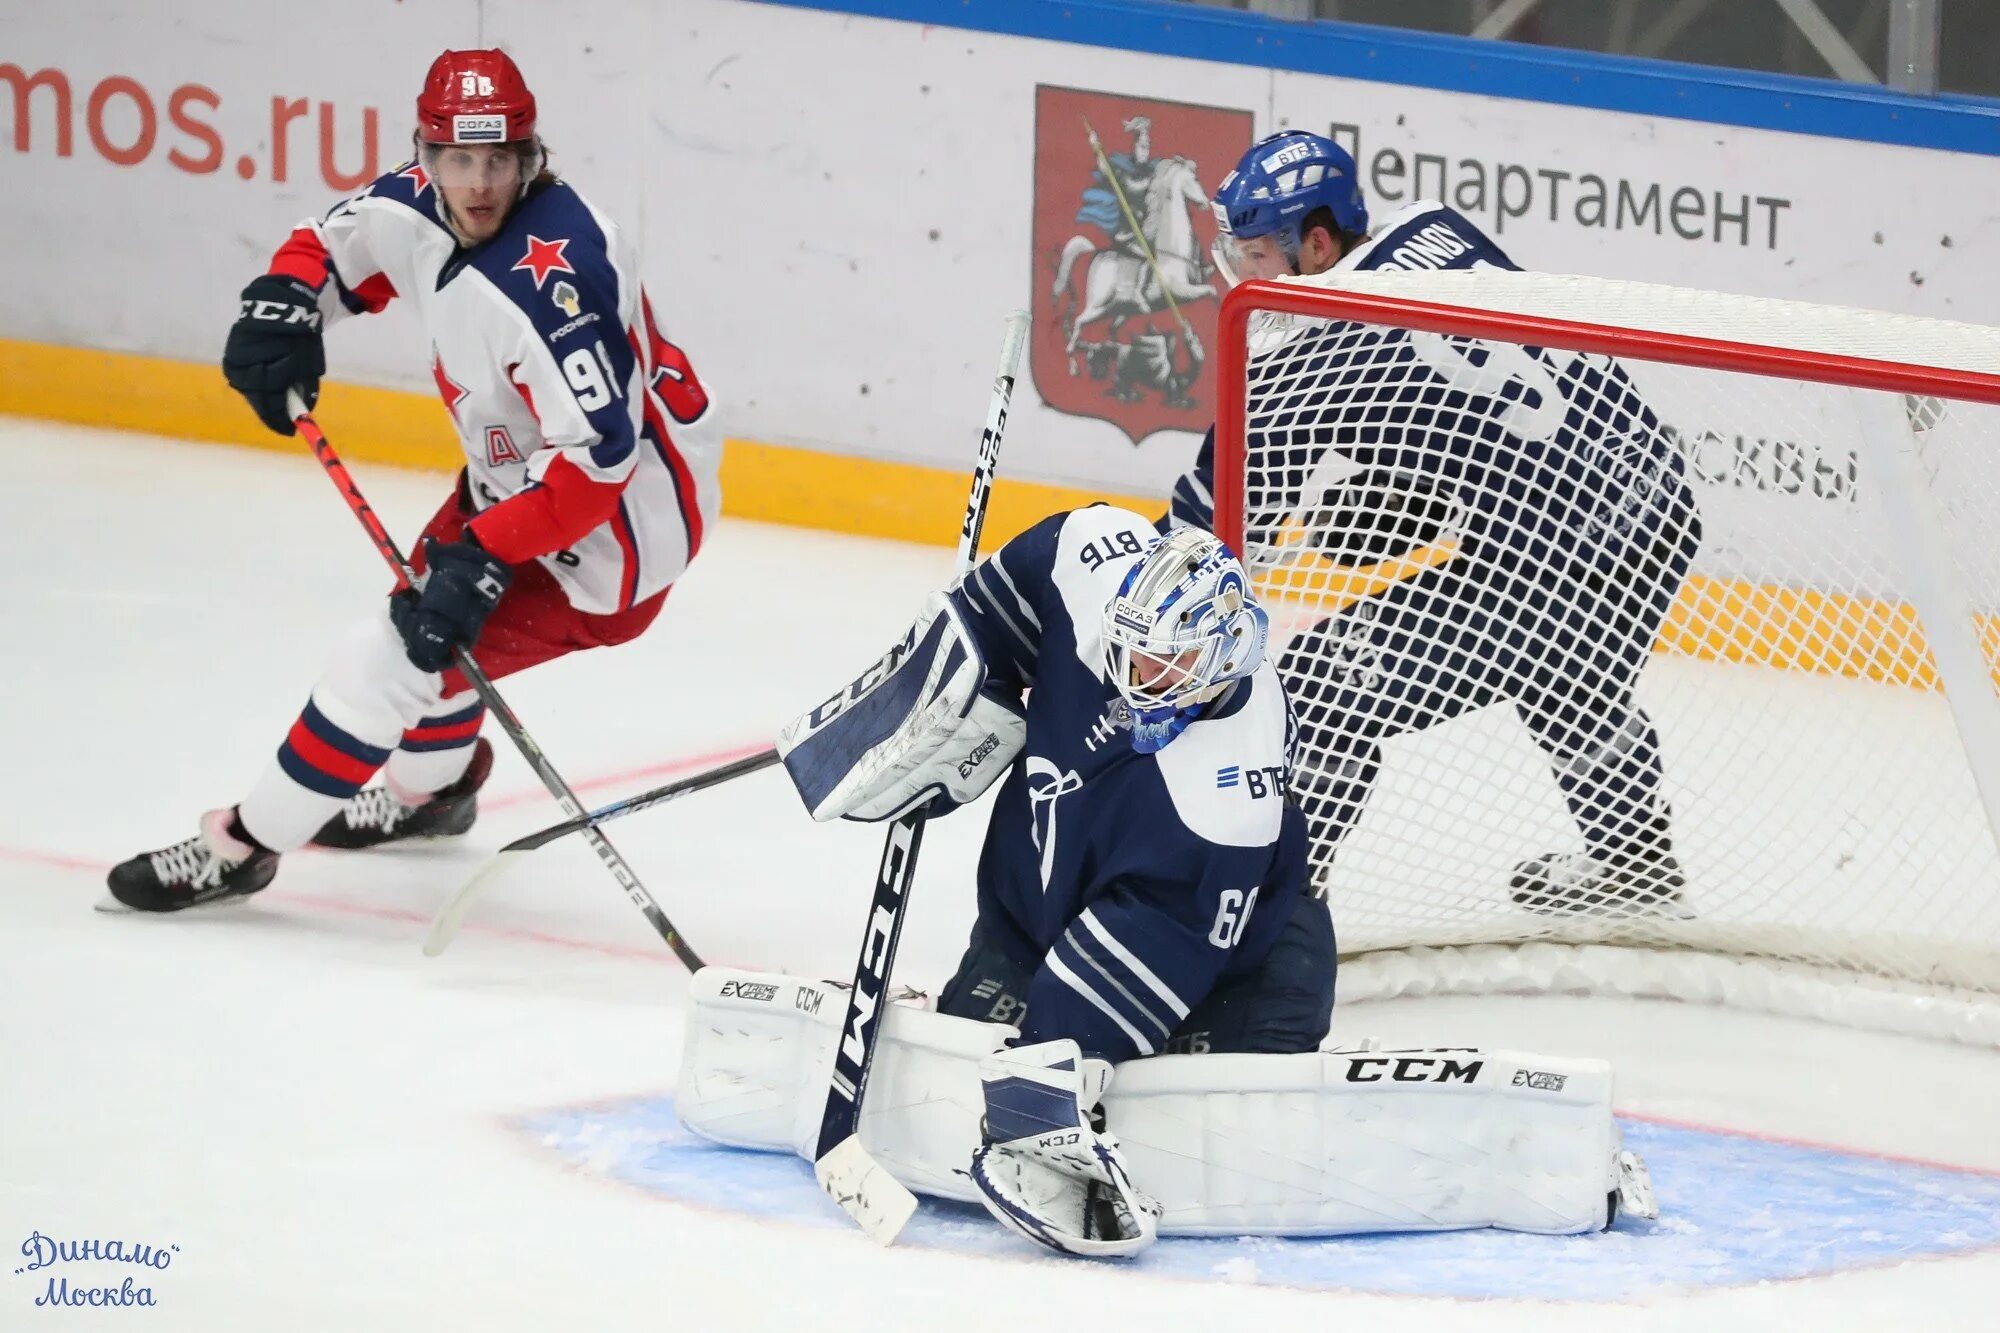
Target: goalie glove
point(1044, 1171)
point(917, 728)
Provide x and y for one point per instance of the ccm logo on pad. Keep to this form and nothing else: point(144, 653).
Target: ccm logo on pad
point(1412, 1069)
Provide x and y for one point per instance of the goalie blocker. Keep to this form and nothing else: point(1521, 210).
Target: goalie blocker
point(918, 726)
point(1316, 1144)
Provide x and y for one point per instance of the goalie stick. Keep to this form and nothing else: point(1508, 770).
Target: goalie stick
point(856, 1181)
point(343, 481)
point(452, 915)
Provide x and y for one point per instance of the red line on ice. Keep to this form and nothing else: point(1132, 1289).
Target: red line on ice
point(1786, 1140)
point(321, 902)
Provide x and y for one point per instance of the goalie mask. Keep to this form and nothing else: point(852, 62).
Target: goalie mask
point(1181, 627)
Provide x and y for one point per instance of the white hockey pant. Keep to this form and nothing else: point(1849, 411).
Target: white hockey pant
point(353, 724)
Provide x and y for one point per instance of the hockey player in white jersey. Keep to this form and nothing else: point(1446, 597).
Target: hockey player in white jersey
point(1142, 884)
point(591, 453)
point(1574, 527)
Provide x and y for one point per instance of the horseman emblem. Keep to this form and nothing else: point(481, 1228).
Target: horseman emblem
point(1125, 295)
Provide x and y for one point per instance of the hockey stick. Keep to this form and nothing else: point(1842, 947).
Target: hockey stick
point(646, 800)
point(856, 1181)
point(452, 915)
point(344, 482)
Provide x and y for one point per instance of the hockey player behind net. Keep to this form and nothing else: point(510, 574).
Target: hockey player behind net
point(1559, 502)
point(1141, 884)
point(591, 453)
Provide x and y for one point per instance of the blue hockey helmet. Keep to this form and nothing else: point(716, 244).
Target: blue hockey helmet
point(1279, 183)
point(1181, 626)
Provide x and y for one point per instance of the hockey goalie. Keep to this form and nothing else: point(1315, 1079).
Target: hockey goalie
point(1131, 1043)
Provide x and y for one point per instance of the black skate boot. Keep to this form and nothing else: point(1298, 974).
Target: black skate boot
point(219, 862)
point(378, 815)
point(1639, 878)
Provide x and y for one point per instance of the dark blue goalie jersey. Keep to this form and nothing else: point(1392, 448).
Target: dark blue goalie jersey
point(1539, 462)
point(1131, 883)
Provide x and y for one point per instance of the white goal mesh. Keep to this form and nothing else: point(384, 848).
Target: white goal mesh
point(1633, 616)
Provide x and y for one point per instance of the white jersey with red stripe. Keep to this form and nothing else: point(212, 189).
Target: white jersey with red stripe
point(590, 444)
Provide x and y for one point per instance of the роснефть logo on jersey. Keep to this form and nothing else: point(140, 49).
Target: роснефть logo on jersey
point(1124, 292)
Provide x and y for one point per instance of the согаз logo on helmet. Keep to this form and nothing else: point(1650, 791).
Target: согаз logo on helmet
point(1124, 294)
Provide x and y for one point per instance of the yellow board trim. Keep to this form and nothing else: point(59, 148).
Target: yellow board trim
point(1712, 619)
point(768, 482)
point(1715, 620)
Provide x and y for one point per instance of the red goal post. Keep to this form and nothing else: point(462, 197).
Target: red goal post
point(1822, 684)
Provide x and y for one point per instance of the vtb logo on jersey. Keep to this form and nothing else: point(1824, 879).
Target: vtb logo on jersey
point(1259, 782)
point(1123, 291)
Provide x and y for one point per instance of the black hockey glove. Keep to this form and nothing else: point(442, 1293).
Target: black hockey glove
point(463, 587)
point(274, 346)
point(1379, 515)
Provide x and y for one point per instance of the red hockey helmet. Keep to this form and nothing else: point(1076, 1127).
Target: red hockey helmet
point(475, 97)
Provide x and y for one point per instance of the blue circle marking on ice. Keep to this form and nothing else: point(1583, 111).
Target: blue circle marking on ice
point(1733, 1210)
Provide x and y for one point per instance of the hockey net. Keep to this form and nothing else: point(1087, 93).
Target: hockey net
point(1488, 598)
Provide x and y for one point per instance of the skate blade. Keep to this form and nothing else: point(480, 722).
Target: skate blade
point(110, 906)
point(1674, 909)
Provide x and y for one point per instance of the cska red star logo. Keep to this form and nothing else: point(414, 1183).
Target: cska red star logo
point(449, 389)
point(543, 258)
point(415, 172)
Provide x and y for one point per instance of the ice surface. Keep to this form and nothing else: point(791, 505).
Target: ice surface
point(340, 1134)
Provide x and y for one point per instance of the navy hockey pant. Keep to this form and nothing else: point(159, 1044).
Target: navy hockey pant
point(1283, 1005)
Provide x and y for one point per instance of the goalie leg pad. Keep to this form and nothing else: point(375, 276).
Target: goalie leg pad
point(916, 727)
point(759, 1052)
point(1335, 1143)
point(1319, 1144)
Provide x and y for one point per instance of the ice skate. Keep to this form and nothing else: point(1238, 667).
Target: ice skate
point(1581, 884)
point(381, 815)
point(213, 865)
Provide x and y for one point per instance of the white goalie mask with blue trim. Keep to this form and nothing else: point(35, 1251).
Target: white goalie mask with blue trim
point(1181, 626)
